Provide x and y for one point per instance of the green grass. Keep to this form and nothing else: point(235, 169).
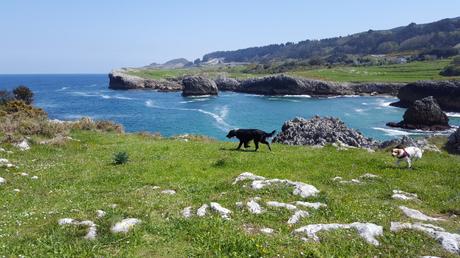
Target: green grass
point(410, 72)
point(235, 72)
point(79, 178)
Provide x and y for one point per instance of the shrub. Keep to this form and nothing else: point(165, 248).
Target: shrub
point(120, 158)
point(23, 93)
point(5, 96)
point(86, 123)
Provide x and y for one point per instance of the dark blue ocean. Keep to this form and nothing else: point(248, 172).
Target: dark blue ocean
point(70, 97)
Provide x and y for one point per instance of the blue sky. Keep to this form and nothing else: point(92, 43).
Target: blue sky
point(94, 36)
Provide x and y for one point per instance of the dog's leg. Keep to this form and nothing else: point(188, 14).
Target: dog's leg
point(246, 144)
point(257, 144)
point(267, 143)
point(397, 162)
point(239, 146)
point(409, 165)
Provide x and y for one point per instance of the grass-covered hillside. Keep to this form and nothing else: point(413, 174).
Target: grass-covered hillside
point(77, 178)
point(408, 72)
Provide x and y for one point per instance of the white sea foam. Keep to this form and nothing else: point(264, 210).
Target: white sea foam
point(296, 96)
point(62, 89)
point(393, 132)
point(453, 114)
point(218, 118)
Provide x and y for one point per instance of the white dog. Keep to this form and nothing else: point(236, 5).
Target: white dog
point(408, 154)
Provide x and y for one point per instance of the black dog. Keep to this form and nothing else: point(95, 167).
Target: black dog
point(247, 135)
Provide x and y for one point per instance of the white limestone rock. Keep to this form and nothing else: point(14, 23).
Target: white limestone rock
point(201, 212)
point(2, 181)
point(298, 215)
point(92, 227)
point(187, 212)
point(224, 212)
point(170, 192)
point(125, 225)
point(100, 213)
point(247, 176)
point(254, 207)
point(403, 196)
point(449, 241)
point(415, 214)
point(282, 205)
point(23, 146)
point(368, 231)
point(267, 231)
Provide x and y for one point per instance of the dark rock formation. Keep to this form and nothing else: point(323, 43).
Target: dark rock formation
point(453, 143)
point(321, 131)
point(288, 85)
point(424, 114)
point(119, 80)
point(198, 85)
point(270, 85)
point(227, 84)
point(447, 93)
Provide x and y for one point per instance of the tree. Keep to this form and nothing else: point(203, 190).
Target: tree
point(23, 93)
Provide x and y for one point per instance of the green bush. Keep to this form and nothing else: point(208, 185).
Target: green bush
point(120, 157)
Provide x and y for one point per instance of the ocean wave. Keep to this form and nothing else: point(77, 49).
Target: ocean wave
point(62, 89)
point(453, 114)
point(359, 110)
point(402, 132)
point(295, 96)
point(104, 96)
point(218, 118)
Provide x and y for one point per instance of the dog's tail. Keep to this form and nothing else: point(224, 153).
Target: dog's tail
point(268, 135)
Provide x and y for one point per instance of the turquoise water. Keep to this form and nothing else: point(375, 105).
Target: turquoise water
point(69, 97)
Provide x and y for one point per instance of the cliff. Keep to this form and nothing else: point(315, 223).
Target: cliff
point(447, 94)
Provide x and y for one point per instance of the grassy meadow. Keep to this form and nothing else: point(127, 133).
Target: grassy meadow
point(77, 178)
point(409, 72)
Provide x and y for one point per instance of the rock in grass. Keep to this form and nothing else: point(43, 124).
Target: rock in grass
point(187, 212)
point(23, 146)
point(92, 230)
point(403, 196)
point(415, 214)
point(449, 241)
point(224, 212)
point(34, 178)
point(267, 231)
point(247, 176)
point(170, 192)
point(2, 181)
point(254, 207)
point(298, 215)
point(125, 225)
point(100, 213)
point(282, 205)
point(201, 212)
point(368, 231)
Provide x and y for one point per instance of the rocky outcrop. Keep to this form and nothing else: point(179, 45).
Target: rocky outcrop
point(447, 93)
point(269, 85)
point(120, 80)
point(227, 84)
point(288, 85)
point(321, 131)
point(424, 114)
point(198, 85)
point(453, 144)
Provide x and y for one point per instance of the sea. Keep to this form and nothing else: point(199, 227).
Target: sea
point(72, 96)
